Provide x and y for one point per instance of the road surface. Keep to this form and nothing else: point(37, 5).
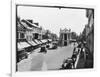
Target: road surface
point(52, 60)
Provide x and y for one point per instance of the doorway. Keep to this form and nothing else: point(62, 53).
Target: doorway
point(65, 43)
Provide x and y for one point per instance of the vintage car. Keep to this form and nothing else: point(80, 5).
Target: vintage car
point(67, 64)
point(48, 45)
point(43, 49)
point(53, 45)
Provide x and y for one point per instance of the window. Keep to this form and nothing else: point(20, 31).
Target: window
point(22, 35)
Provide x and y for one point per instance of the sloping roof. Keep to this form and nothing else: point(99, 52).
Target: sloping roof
point(30, 25)
point(26, 25)
point(21, 27)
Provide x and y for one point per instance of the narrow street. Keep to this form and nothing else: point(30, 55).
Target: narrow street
point(52, 60)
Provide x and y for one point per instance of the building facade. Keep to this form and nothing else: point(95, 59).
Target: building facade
point(34, 32)
point(89, 35)
point(65, 37)
point(90, 30)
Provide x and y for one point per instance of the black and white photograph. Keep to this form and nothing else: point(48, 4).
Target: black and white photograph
point(54, 38)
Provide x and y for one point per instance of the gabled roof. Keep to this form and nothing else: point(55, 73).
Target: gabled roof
point(30, 25)
point(21, 27)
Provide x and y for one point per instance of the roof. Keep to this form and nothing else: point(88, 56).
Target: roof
point(31, 25)
point(21, 26)
point(26, 25)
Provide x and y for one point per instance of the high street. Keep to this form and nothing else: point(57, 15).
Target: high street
point(52, 60)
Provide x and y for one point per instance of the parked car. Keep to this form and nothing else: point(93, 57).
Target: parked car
point(30, 48)
point(67, 64)
point(47, 46)
point(43, 49)
point(53, 46)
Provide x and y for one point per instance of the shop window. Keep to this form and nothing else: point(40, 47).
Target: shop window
point(22, 35)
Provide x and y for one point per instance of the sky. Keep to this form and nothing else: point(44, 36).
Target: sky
point(55, 18)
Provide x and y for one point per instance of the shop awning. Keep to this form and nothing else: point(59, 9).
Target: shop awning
point(32, 43)
point(22, 45)
point(38, 42)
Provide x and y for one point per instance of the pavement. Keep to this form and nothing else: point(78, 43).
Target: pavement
point(52, 60)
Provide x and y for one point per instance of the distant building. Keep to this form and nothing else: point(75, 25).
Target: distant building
point(65, 37)
point(43, 32)
point(54, 37)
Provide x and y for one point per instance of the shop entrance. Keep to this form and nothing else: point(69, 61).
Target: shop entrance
point(65, 43)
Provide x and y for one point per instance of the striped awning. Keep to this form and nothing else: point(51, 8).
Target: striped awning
point(32, 43)
point(22, 27)
point(38, 42)
point(22, 45)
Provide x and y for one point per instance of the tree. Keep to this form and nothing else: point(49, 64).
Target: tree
point(47, 34)
point(73, 35)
